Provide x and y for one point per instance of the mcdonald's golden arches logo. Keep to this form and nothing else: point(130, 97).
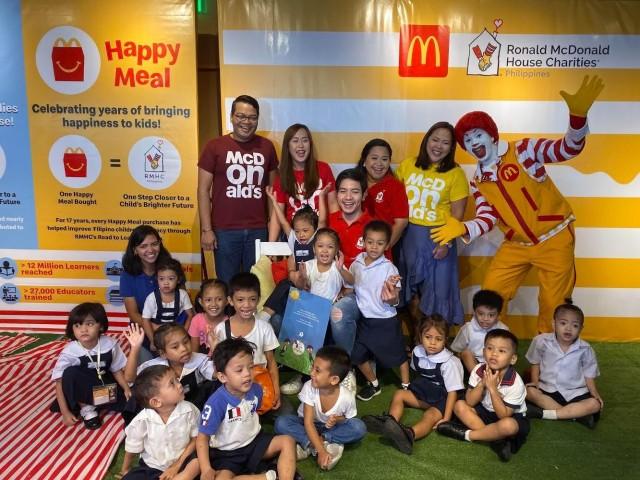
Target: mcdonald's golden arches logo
point(424, 51)
point(509, 172)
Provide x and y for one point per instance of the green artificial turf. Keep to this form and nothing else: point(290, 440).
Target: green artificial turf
point(554, 450)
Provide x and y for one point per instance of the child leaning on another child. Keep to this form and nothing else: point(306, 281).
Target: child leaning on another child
point(563, 372)
point(326, 419)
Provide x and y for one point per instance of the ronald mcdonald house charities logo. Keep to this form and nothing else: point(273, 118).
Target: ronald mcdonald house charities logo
point(424, 51)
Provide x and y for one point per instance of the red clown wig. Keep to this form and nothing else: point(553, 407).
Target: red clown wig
point(472, 120)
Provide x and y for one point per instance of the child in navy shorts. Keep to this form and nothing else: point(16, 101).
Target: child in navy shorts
point(563, 372)
point(494, 407)
point(231, 442)
point(434, 390)
point(379, 334)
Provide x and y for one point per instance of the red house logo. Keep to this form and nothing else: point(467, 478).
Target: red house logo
point(424, 51)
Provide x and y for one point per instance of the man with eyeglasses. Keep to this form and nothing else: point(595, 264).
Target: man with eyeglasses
point(234, 170)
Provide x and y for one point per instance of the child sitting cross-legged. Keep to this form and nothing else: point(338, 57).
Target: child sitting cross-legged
point(563, 372)
point(164, 432)
point(494, 407)
point(231, 442)
point(434, 390)
point(326, 417)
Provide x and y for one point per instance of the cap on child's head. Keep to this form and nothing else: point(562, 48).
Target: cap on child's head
point(487, 298)
point(146, 384)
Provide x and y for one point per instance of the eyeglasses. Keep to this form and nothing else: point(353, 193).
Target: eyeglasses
point(246, 118)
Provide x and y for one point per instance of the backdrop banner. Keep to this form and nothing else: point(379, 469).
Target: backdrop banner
point(356, 70)
point(98, 134)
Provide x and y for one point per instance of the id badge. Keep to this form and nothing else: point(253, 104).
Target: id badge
point(104, 394)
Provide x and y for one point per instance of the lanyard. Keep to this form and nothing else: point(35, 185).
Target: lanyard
point(99, 372)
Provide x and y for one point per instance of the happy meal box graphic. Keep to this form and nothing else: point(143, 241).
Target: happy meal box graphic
point(153, 160)
point(75, 163)
point(484, 52)
point(68, 60)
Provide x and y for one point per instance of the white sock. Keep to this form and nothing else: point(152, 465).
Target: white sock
point(375, 383)
point(88, 412)
point(271, 475)
point(405, 386)
point(263, 316)
point(549, 415)
point(466, 435)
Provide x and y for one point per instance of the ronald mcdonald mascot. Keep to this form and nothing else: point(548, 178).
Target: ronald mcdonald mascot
point(514, 190)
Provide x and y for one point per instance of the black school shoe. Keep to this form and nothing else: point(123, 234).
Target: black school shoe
point(452, 430)
point(400, 436)
point(502, 449)
point(533, 411)
point(375, 423)
point(588, 421)
point(93, 423)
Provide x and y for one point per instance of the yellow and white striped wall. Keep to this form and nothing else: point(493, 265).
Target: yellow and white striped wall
point(334, 66)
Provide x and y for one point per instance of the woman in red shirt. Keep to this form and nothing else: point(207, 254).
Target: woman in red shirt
point(302, 177)
point(386, 196)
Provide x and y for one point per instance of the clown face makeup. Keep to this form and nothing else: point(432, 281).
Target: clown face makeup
point(481, 145)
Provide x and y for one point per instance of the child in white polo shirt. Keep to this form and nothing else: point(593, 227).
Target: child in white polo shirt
point(469, 341)
point(164, 432)
point(379, 335)
point(494, 407)
point(563, 372)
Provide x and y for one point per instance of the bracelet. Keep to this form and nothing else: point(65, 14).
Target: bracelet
point(205, 230)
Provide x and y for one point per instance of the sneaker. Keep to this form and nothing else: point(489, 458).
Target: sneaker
point(452, 430)
point(293, 386)
point(349, 382)
point(502, 449)
point(375, 423)
point(588, 421)
point(401, 436)
point(533, 411)
point(335, 450)
point(301, 452)
point(369, 391)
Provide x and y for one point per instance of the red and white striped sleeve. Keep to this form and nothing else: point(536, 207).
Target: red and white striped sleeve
point(534, 153)
point(485, 219)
